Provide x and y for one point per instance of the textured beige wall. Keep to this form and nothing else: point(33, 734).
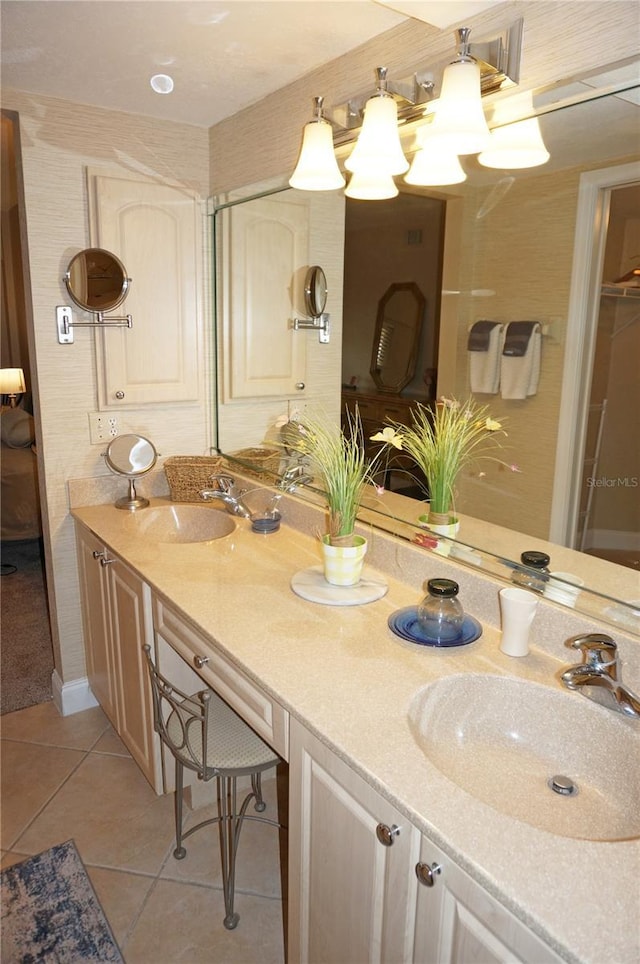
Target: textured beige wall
point(59, 140)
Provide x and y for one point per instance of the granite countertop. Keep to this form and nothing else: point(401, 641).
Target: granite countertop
point(350, 680)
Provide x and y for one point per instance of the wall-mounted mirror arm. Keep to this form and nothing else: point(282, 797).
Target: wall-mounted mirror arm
point(65, 324)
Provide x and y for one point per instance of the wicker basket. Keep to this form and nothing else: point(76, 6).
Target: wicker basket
point(256, 461)
point(187, 475)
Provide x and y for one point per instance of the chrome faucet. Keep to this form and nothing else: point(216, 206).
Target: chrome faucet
point(597, 677)
point(294, 476)
point(226, 492)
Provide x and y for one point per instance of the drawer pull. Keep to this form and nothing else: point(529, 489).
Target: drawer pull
point(386, 834)
point(200, 661)
point(98, 554)
point(427, 874)
point(106, 562)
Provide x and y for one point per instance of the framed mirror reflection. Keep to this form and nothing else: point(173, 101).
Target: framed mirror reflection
point(508, 253)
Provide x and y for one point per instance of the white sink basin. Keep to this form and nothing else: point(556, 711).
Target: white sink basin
point(502, 740)
point(184, 523)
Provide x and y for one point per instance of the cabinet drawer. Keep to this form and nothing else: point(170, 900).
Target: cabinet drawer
point(262, 713)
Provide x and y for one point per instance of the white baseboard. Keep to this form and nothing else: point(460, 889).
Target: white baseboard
point(72, 697)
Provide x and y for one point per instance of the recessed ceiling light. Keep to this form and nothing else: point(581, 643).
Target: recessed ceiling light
point(162, 83)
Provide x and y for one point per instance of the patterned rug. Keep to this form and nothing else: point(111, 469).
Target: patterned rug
point(50, 912)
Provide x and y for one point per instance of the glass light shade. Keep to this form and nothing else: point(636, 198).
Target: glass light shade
point(378, 147)
point(12, 381)
point(371, 187)
point(515, 146)
point(317, 168)
point(459, 120)
point(433, 164)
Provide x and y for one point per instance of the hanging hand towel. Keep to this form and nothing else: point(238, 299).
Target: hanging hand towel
point(484, 346)
point(520, 361)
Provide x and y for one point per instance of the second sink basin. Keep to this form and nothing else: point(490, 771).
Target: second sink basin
point(503, 740)
point(184, 523)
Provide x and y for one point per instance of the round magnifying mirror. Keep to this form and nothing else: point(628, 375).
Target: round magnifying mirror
point(315, 291)
point(131, 456)
point(97, 280)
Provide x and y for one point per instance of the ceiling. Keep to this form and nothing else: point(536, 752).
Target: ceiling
point(223, 55)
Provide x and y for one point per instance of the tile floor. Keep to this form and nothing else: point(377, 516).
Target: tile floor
point(72, 777)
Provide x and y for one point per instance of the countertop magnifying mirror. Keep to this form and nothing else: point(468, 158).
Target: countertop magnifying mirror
point(131, 456)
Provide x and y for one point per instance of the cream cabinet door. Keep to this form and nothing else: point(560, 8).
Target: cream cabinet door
point(131, 627)
point(96, 623)
point(351, 898)
point(154, 230)
point(116, 610)
point(458, 922)
point(267, 242)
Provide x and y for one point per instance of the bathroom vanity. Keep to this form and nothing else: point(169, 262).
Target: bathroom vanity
point(389, 858)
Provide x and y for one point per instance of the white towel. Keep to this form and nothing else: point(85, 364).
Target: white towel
point(519, 374)
point(484, 366)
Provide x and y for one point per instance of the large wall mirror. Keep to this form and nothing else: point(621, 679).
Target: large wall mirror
point(507, 253)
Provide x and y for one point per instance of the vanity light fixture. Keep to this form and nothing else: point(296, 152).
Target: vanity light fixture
point(12, 384)
point(375, 186)
point(317, 168)
point(515, 144)
point(433, 163)
point(459, 121)
point(451, 125)
point(378, 151)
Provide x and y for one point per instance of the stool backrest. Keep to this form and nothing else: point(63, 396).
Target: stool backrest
point(180, 720)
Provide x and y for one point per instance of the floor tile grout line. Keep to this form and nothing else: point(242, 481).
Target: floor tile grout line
point(50, 799)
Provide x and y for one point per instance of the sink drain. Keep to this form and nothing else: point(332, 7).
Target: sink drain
point(563, 785)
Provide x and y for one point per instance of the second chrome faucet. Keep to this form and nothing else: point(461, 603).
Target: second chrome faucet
point(598, 675)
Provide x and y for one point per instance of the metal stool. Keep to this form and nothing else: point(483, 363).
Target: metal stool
point(204, 734)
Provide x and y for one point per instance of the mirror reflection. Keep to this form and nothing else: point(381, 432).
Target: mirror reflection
point(397, 336)
point(96, 280)
point(506, 253)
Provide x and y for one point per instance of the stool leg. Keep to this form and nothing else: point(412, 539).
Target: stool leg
point(227, 827)
point(179, 852)
point(256, 786)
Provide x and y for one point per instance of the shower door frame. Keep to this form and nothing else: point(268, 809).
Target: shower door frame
point(592, 222)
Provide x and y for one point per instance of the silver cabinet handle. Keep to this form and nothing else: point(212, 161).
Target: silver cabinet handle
point(386, 834)
point(106, 562)
point(200, 661)
point(120, 395)
point(300, 386)
point(98, 553)
point(427, 874)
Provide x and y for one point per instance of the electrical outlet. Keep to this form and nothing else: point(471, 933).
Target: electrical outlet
point(102, 427)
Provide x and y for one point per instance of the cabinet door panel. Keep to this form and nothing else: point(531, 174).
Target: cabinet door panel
point(153, 228)
point(458, 922)
point(96, 624)
point(131, 627)
point(269, 245)
point(350, 896)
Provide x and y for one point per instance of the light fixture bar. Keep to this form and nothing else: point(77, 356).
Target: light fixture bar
point(498, 57)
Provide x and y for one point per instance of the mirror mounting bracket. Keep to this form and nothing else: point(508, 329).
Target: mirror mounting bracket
point(65, 324)
point(321, 324)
